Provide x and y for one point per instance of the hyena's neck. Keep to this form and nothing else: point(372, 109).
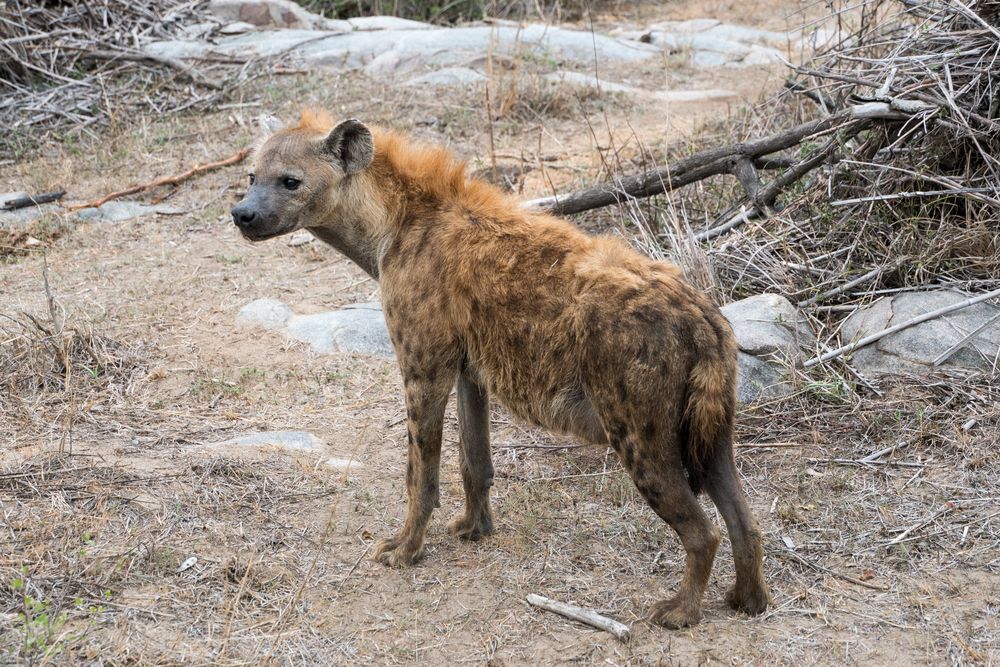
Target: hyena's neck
point(360, 224)
point(407, 182)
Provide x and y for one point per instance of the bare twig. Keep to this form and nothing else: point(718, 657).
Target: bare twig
point(592, 618)
point(176, 179)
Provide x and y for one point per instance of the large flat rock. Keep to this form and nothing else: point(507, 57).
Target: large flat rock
point(355, 329)
point(415, 48)
point(915, 349)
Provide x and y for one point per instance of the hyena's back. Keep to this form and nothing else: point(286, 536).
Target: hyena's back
point(582, 335)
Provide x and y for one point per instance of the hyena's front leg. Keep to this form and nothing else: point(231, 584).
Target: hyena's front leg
point(426, 398)
point(475, 459)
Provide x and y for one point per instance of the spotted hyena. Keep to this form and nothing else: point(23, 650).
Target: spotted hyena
point(575, 333)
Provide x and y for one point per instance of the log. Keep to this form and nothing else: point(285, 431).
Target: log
point(591, 618)
point(732, 159)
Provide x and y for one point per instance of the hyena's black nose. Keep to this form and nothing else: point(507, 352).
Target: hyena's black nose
point(243, 217)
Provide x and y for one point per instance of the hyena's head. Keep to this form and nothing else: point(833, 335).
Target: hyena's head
point(298, 175)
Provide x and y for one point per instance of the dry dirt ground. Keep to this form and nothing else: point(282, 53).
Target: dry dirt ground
point(888, 563)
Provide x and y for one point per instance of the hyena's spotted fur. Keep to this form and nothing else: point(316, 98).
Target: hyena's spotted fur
point(578, 334)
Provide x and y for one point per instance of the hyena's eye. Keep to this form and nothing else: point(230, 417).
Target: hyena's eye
point(252, 179)
point(290, 183)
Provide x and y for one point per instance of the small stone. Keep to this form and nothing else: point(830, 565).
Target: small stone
point(343, 464)
point(237, 28)
point(269, 314)
point(300, 238)
point(357, 329)
point(294, 440)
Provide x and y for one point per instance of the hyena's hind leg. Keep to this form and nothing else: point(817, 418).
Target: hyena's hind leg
point(653, 461)
point(475, 460)
point(749, 593)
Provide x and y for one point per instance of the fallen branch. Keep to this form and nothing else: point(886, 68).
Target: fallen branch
point(135, 56)
point(592, 618)
point(733, 159)
point(176, 179)
point(850, 284)
point(33, 200)
point(833, 573)
point(868, 340)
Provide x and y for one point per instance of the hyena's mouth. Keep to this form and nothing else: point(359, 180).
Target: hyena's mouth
point(263, 235)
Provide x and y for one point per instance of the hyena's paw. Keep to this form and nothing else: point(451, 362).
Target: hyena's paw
point(751, 600)
point(471, 526)
point(397, 552)
point(675, 613)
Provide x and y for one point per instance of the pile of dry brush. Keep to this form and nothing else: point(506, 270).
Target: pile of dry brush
point(905, 189)
point(70, 64)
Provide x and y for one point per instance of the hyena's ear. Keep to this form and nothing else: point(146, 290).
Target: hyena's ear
point(351, 146)
point(269, 124)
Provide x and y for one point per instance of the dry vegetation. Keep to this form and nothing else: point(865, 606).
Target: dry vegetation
point(120, 362)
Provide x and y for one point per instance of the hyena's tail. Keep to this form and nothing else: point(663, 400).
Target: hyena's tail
point(711, 408)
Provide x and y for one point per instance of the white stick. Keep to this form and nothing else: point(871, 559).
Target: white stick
point(868, 340)
point(619, 630)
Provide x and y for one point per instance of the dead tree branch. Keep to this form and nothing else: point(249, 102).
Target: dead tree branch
point(176, 179)
point(740, 159)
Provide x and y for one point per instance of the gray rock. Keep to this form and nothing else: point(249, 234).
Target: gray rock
point(761, 55)
point(709, 59)
point(203, 30)
point(360, 329)
point(448, 76)
point(269, 314)
point(119, 211)
point(420, 49)
point(706, 42)
point(697, 25)
point(739, 33)
point(759, 380)
point(768, 324)
point(273, 13)
point(589, 81)
point(294, 440)
point(23, 217)
point(387, 23)
point(237, 28)
point(914, 350)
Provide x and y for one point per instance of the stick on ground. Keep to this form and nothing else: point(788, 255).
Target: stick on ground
point(176, 179)
point(592, 618)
